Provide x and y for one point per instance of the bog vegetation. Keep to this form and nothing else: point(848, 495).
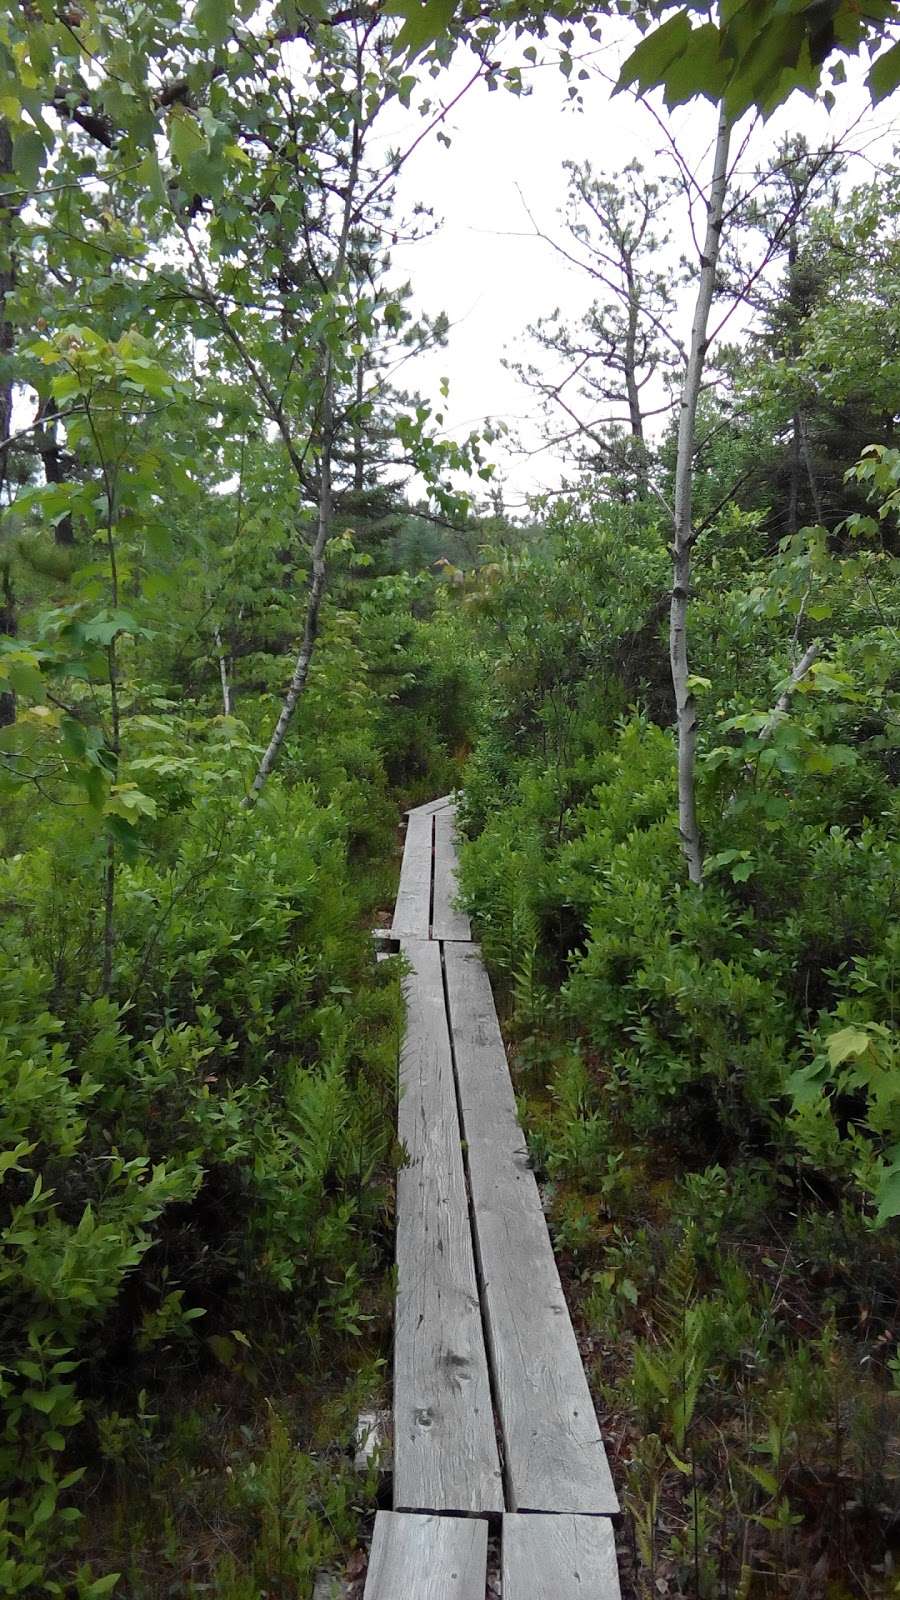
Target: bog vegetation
point(237, 637)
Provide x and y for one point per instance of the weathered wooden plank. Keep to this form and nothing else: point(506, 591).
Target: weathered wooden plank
point(427, 1558)
point(412, 908)
point(446, 921)
point(445, 1449)
point(430, 807)
point(373, 1441)
point(553, 1452)
point(559, 1558)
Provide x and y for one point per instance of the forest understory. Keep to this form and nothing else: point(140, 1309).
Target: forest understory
point(257, 597)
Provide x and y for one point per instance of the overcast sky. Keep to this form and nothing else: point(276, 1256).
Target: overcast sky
point(484, 267)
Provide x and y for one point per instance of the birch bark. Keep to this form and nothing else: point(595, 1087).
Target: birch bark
point(683, 529)
point(314, 595)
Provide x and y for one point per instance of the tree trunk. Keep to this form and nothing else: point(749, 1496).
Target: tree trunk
point(8, 213)
point(9, 627)
point(7, 339)
point(683, 532)
point(635, 414)
point(314, 595)
point(794, 482)
point(223, 675)
point(359, 456)
point(54, 469)
point(810, 472)
point(806, 661)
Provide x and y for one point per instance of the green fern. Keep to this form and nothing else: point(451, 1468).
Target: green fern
point(668, 1376)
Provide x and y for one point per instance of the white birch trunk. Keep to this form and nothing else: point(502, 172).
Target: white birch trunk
point(223, 675)
point(683, 532)
point(326, 430)
point(314, 594)
point(780, 707)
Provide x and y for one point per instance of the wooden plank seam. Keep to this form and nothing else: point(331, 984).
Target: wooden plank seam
point(557, 1536)
point(479, 1276)
point(445, 1451)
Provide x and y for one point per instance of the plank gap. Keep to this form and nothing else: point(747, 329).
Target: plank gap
point(445, 1449)
point(479, 1276)
point(553, 1452)
point(431, 897)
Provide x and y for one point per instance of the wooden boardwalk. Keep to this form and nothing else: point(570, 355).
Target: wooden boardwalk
point(493, 1418)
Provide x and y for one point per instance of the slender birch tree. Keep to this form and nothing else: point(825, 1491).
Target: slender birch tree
point(683, 532)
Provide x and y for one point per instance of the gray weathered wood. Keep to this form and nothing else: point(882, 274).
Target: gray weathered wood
point(445, 1449)
point(430, 807)
point(373, 1440)
point(446, 921)
point(427, 1558)
point(553, 1452)
point(412, 909)
point(559, 1558)
point(328, 1586)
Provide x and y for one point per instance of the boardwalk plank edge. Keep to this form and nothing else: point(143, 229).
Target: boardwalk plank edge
point(559, 1558)
point(418, 1557)
point(412, 908)
point(447, 921)
point(445, 1446)
point(430, 807)
point(554, 1456)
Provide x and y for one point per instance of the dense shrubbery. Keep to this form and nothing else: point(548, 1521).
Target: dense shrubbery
point(197, 1190)
point(730, 1111)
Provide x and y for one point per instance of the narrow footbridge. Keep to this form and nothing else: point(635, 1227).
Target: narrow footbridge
point(494, 1426)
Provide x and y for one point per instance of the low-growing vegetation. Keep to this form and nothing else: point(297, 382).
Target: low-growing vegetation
point(250, 609)
point(709, 1073)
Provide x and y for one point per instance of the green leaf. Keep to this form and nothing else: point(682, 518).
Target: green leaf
point(887, 1197)
point(884, 74)
point(149, 174)
point(28, 157)
point(128, 801)
point(213, 19)
point(10, 1161)
point(26, 680)
point(762, 1476)
point(848, 1042)
point(649, 63)
point(699, 70)
point(185, 138)
point(742, 870)
point(107, 625)
point(806, 1085)
point(422, 24)
point(101, 1586)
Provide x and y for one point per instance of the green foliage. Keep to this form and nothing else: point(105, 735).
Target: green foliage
point(709, 1074)
point(758, 54)
point(197, 1051)
point(228, 1121)
point(707, 1007)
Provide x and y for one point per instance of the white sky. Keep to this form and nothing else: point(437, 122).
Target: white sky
point(482, 267)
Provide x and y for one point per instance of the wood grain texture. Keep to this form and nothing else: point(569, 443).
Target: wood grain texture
point(446, 921)
point(553, 1452)
point(427, 1558)
point(445, 1449)
point(430, 807)
point(412, 908)
point(559, 1558)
